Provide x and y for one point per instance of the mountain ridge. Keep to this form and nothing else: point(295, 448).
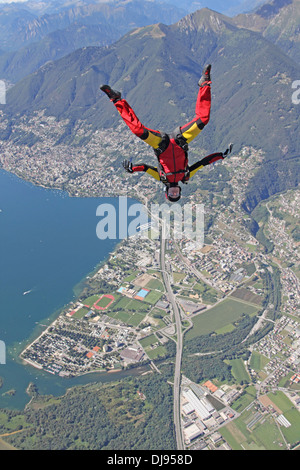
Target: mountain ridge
point(146, 60)
point(157, 68)
point(278, 21)
point(20, 27)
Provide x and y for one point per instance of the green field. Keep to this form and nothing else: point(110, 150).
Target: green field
point(148, 341)
point(80, 313)
point(289, 411)
point(155, 284)
point(104, 302)
point(258, 361)
point(91, 300)
point(292, 434)
point(281, 400)
point(239, 371)
point(125, 303)
point(157, 352)
point(153, 297)
point(216, 318)
point(130, 311)
point(132, 319)
point(253, 431)
point(152, 347)
point(177, 277)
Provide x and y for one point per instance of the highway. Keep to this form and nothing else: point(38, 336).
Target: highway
point(176, 318)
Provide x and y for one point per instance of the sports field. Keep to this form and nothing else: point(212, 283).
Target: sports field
point(130, 311)
point(104, 302)
point(215, 319)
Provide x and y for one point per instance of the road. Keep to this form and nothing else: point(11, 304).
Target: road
point(193, 269)
point(177, 319)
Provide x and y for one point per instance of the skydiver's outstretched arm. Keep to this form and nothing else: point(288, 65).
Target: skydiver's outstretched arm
point(151, 170)
point(214, 157)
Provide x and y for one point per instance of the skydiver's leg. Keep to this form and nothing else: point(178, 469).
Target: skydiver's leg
point(151, 137)
point(202, 113)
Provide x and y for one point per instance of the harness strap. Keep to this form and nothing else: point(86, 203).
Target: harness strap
point(180, 140)
point(163, 145)
point(175, 172)
point(165, 141)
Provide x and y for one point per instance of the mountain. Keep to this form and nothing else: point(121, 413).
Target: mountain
point(279, 22)
point(157, 68)
point(17, 64)
point(229, 7)
point(243, 6)
point(29, 41)
point(164, 63)
point(20, 27)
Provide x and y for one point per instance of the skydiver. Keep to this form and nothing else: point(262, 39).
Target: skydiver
point(170, 150)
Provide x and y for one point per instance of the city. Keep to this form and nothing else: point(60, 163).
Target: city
point(125, 315)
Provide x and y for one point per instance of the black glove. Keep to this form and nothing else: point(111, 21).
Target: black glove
point(227, 151)
point(127, 165)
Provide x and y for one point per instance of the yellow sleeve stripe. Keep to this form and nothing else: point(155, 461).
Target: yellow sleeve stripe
point(153, 173)
point(153, 140)
point(195, 171)
point(191, 133)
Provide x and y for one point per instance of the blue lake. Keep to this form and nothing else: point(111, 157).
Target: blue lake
point(48, 245)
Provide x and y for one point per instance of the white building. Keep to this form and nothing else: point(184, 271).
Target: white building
point(191, 432)
point(202, 407)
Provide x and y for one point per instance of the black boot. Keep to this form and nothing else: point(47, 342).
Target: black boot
point(112, 94)
point(205, 78)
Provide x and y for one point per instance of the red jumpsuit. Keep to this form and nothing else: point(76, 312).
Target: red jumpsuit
point(172, 155)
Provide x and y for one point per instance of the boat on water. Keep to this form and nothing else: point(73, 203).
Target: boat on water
point(27, 292)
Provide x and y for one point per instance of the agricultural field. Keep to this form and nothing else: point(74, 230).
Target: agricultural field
point(217, 318)
point(259, 428)
point(247, 397)
point(253, 431)
point(244, 294)
point(289, 411)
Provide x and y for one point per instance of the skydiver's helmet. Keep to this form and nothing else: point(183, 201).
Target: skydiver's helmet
point(173, 192)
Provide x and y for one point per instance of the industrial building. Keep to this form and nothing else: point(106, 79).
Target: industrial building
point(202, 407)
point(191, 432)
